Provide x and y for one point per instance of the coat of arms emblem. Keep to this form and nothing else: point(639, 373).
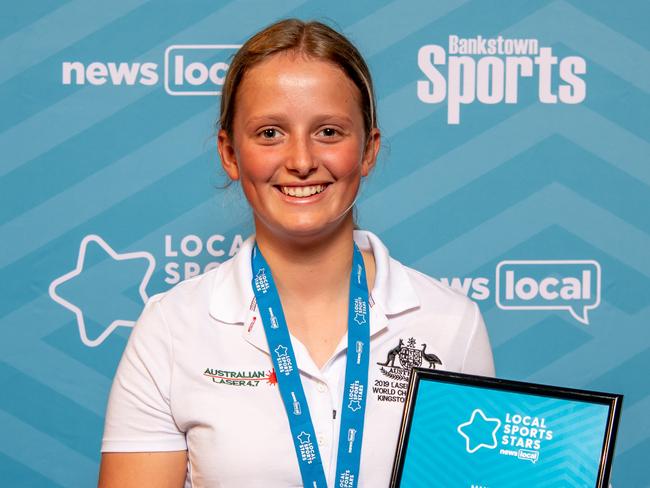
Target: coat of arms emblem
point(408, 357)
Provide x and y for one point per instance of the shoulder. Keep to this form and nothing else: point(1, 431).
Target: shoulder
point(224, 288)
point(454, 320)
point(188, 291)
point(433, 292)
point(399, 287)
point(420, 306)
point(170, 314)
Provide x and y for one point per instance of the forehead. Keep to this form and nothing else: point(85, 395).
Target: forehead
point(290, 80)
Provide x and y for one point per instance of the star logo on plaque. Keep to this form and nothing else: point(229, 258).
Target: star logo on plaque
point(479, 431)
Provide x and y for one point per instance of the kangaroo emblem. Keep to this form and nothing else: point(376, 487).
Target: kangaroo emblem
point(392, 354)
point(432, 359)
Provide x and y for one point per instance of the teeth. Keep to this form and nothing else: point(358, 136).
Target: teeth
point(302, 191)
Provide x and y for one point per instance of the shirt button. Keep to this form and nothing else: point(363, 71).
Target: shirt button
point(321, 440)
point(321, 387)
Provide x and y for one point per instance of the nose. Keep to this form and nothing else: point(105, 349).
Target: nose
point(301, 159)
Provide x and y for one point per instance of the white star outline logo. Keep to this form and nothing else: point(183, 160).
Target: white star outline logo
point(354, 405)
point(497, 423)
point(281, 351)
point(142, 289)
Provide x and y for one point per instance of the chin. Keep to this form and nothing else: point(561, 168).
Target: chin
point(308, 230)
point(299, 231)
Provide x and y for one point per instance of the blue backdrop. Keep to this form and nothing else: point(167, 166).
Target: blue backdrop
point(516, 166)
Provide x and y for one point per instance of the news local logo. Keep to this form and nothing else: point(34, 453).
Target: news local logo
point(188, 70)
point(516, 435)
point(492, 70)
point(573, 286)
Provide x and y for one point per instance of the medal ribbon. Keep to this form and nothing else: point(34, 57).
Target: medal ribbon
point(291, 390)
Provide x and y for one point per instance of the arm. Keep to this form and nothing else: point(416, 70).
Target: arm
point(143, 469)
point(142, 445)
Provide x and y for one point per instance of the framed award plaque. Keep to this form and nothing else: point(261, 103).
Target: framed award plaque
point(466, 431)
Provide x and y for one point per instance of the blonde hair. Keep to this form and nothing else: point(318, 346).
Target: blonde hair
point(312, 39)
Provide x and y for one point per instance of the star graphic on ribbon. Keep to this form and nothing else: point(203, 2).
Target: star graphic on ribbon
point(303, 437)
point(281, 351)
point(354, 405)
point(479, 431)
point(359, 318)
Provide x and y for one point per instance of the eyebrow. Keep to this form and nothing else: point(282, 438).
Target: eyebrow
point(325, 117)
point(282, 118)
point(266, 118)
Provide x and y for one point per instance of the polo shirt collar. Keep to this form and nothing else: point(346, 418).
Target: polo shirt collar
point(232, 294)
point(392, 293)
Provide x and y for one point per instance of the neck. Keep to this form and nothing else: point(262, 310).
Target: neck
point(313, 268)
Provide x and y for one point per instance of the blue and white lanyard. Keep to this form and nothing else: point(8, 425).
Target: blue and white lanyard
point(290, 385)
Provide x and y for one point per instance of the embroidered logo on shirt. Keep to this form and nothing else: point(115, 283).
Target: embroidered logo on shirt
point(241, 378)
point(399, 361)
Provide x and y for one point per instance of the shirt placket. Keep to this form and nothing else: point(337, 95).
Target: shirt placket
point(321, 396)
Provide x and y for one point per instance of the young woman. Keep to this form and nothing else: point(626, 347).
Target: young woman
point(288, 364)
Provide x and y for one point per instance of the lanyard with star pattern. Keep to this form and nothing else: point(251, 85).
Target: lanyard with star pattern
point(290, 385)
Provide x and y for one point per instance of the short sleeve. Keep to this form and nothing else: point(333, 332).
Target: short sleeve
point(478, 354)
point(139, 417)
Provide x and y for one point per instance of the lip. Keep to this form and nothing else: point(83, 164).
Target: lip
point(303, 200)
point(307, 183)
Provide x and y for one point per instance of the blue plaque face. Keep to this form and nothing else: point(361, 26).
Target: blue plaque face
point(475, 436)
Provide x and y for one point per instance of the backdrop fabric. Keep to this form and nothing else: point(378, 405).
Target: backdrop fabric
point(515, 167)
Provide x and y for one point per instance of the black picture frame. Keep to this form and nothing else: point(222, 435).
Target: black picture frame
point(613, 400)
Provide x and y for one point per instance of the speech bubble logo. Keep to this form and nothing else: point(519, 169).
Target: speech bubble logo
point(197, 69)
point(528, 455)
point(572, 285)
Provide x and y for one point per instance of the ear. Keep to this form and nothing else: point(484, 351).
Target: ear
point(373, 143)
point(227, 154)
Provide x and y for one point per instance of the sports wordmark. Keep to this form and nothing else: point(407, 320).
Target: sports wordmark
point(490, 70)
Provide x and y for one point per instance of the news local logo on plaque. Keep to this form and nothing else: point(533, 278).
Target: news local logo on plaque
point(536, 434)
point(519, 436)
point(494, 71)
point(187, 70)
point(489, 432)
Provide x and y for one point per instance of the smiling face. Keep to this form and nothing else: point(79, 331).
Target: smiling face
point(298, 145)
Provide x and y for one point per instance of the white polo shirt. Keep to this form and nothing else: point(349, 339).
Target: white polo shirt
point(197, 374)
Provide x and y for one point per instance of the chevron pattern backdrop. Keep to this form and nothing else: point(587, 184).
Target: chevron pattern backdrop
point(111, 191)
